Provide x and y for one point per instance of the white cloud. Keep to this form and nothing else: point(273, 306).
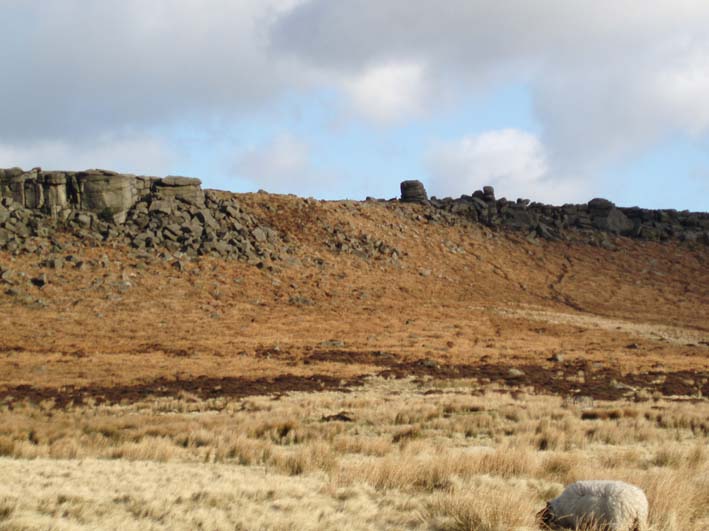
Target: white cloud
point(78, 68)
point(142, 154)
point(608, 79)
point(389, 93)
point(281, 165)
point(511, 160)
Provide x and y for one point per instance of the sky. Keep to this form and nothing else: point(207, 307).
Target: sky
point(551, 100)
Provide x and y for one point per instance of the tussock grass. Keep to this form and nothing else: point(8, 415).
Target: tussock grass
point(7, 507)
point(484, 509)
point(448, 460)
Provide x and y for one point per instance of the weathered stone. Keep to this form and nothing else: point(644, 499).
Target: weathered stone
point(55, 192)
point(34, 195)
point(108, 194)
point(613, 220)
point(599, 204)
point(518, 218)
point(479, 204)
point(413, 192)
point(172, 180)
point(488, 193)
point(206, 219)
point(546, 232)
point(9, 277)
point(185, 188)
point(54, 263)
point(40, 281)
point(161, 206)
point(259, 234)
point(83, 219)
point(10, 173)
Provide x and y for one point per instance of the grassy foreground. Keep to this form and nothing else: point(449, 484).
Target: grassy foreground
point(348, 386)
point(392, 454)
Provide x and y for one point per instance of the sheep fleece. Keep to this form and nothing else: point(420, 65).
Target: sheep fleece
point(617, 505)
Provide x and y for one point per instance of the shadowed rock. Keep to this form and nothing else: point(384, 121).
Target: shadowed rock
point(606, 217)
point(413, 192)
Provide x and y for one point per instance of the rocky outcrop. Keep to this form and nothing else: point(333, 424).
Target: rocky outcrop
point(173, 214)
point(560, 222)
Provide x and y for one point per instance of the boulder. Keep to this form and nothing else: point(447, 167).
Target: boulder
point(110, 195)
point(606, 217)
point(413, 192)
point(188, 189)
point(488, 193)
point(520, 218)
point(600, 205)
point(177, 181)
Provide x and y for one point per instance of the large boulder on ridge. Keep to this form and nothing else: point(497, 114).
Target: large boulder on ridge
point(606, 217)
point(413, 192)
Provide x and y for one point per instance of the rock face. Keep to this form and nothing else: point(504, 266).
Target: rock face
point(557, 222)
point(187, 188)
point(172, 214)
point(413, 192)
point(106, 193)
point(606, 217)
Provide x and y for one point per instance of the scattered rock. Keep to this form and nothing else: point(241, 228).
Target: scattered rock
point(557, 357)
point(8, 277)
point(40, 281)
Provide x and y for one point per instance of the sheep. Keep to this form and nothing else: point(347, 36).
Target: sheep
point(609, 505)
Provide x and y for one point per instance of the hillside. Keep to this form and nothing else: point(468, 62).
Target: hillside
point(361, 287)
point(178, 359)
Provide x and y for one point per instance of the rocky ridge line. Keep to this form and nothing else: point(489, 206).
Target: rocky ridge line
point(173, 214)
point(557, 222)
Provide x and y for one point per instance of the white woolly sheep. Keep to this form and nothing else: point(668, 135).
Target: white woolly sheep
point(610, 505)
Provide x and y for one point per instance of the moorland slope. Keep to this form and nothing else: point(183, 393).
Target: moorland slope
point(353, 289)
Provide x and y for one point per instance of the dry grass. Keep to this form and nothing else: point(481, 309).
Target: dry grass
point(465, 455)
point(449, 460)
point(487, 508)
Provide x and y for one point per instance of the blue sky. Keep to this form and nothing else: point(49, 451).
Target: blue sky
point(553, 101)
